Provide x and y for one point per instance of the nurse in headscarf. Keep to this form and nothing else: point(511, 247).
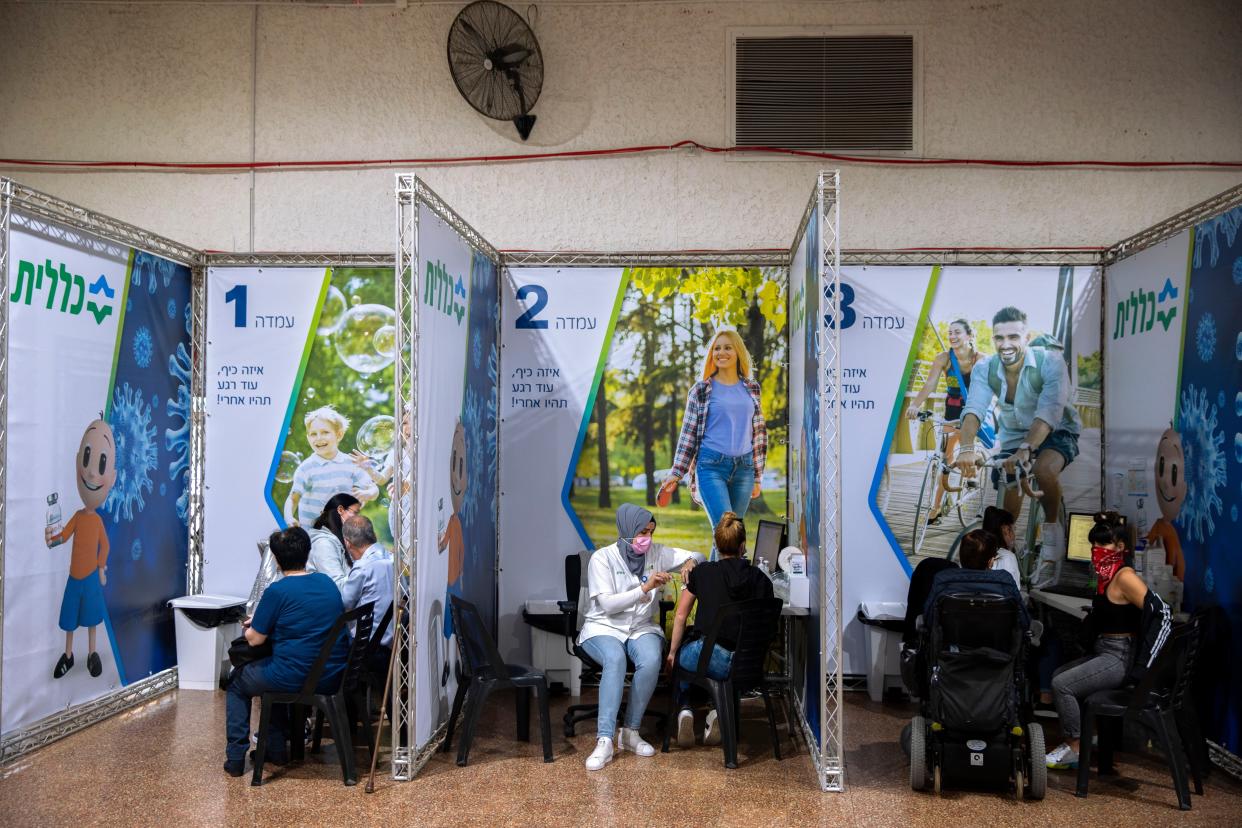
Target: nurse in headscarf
point(623, 586)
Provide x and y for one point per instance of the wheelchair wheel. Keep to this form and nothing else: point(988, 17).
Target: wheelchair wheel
point(918, 754)
point(1039, 768)
point(1018, 782)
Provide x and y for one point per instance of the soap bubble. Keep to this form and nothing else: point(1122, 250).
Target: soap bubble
point(385, 340)
point(333, 312)
point(375, 436)
point(355, 338)
point(355, 300)
point(310, 394)
point(289, 462)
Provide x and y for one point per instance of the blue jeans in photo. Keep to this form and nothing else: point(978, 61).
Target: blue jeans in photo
point(647, 653)
point(247, 682)
point(725, 484)
point(717, 666)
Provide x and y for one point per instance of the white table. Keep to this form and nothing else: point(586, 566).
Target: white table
point(1068, 604)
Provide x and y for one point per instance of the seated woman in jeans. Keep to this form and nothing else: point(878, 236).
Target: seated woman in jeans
point(623, 582)
point(713, 585)
point(1116, 614)
point(296, 613)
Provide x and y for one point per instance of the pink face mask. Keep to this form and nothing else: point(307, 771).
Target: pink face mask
point(641, 544)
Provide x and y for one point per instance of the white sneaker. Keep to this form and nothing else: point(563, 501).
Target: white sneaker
point(685, 729)
point(711, 733)
point(631, 741)
point(1063, 758)
point(602, 754)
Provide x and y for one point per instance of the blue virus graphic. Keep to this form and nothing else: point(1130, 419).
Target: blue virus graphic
point(172, 309)
point(135, 549)
point(476, 349)
point(1209, 233)
point(187, 317)
point(1220, 400)
point(1233, 513)
point(1205, 337)
point(1209, 580)
point(154, 268)
point(476, 458)
point(177, 440)
point(129, 305)
point(1237, 447)
point(143, 347)
point(1237, 404)
point(136, 452)
point(1237, 346)
point(1237, 271)
point(163, 489)
point(155, 401)
point(1204, 448)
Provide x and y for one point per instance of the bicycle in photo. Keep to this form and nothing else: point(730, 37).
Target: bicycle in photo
point(1023, 478)
point(961, 496)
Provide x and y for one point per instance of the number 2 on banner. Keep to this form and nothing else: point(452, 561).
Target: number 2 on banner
point(237, 294)
point(527, 320)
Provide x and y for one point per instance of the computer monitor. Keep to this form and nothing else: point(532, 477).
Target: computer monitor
point(768, 542)
point(1077, 545)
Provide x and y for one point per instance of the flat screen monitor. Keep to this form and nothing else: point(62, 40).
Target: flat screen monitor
point(1077, 546)
point(768, 542)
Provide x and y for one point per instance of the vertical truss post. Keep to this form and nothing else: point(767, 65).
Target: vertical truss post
point(198, 426)
point(6, 198)
point(405, 468)
point(832, 748)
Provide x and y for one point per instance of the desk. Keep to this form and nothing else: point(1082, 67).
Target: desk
point(1068, 604)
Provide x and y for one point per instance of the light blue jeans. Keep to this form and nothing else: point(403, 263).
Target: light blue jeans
point(717, 666)
point(647, 653)
point(725, 484)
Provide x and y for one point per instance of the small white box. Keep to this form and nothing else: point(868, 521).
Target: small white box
point(548, 651)
point(799, 591)
point(203, 652)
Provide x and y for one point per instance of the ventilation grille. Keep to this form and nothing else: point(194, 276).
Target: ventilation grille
point(825, 93)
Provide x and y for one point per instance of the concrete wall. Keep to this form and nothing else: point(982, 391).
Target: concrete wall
point(1063, 79)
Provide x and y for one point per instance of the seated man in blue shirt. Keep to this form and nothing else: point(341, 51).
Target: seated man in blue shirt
point(369, 580)
point(296, 613)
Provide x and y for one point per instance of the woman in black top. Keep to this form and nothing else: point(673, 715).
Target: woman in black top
point(1116, 612)
point(712, 586)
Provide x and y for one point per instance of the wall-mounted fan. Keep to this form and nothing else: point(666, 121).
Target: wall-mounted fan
point(496, 63)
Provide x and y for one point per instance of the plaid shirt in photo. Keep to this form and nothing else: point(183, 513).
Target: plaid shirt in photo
point(694, 424)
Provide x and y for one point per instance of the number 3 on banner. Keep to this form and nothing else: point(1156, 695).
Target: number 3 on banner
point(528, 320)
point(237, 294)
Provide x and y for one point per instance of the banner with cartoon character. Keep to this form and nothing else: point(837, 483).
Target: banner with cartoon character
point(299, 407)
point(1173, 334)
point(98, 453)
point(458, 362)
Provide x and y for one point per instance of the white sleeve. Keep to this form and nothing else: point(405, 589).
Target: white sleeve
point(1009, 563)
point(325, 558)
point(674, 557)
point(600, 586)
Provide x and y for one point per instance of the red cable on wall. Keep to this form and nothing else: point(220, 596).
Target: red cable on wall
point(875, 160)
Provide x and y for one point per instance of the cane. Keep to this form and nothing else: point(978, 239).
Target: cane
point(379, 731)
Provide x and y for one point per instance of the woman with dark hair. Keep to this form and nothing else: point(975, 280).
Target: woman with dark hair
point(327, 554)
point(1000, 522)
point(955, 365)
point(1116, 614)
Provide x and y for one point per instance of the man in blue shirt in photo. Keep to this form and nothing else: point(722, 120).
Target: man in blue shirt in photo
point(296, 614)
point(1036, 417)
point(370, 580)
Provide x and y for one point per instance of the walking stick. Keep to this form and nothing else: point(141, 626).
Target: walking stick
point(379, 731)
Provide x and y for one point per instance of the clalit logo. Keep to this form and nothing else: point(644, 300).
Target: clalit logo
point(52, 280)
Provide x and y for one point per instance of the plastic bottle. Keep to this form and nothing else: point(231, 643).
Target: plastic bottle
point(54, 524)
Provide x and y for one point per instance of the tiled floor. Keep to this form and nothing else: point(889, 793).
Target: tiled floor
point(160, 765)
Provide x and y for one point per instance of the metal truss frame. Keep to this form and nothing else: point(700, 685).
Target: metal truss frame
point(15, 197)
point(298, 260)
point(832, 745)
point(1214, 206)
point(198, 428)
point(411, 194)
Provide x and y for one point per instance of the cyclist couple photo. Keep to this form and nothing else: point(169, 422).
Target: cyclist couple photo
point(997, 422)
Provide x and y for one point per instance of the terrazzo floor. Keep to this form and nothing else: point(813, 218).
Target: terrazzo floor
point(159, 765)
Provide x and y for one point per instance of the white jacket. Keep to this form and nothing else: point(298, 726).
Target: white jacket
point(616, 603)
point(327, 555)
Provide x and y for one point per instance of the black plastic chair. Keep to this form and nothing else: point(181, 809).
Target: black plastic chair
point(371, 681)
point(1160, 702)
point(759, 618)
point(333, 705)
point(569, 609)
point(484, 671)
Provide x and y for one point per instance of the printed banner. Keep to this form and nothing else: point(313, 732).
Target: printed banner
point(98, 453)
point(457, 458)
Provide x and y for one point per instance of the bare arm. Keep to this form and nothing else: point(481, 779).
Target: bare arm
point(933, 379)
point(684, 604)
point(253, 637)
point(1132, 587)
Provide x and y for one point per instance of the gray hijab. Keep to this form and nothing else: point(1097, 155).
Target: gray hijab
point(631, 520)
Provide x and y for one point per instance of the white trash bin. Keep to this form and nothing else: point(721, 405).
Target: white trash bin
point(204, 632)
point(548, 651)
point(883, 620)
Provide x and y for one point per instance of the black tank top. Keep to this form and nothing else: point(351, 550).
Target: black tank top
point(1114, 619)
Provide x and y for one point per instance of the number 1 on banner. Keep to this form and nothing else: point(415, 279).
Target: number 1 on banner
point(528, 320)
point(237, 294)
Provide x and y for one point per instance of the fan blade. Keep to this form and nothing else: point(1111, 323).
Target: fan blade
point(510, 54)
point(473, 32)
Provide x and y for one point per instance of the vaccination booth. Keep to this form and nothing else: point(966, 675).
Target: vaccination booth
point(499, 405)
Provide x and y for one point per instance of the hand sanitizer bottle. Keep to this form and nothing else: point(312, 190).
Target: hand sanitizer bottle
point(54, 524)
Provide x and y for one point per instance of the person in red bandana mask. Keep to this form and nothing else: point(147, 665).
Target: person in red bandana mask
point(1116, 614)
